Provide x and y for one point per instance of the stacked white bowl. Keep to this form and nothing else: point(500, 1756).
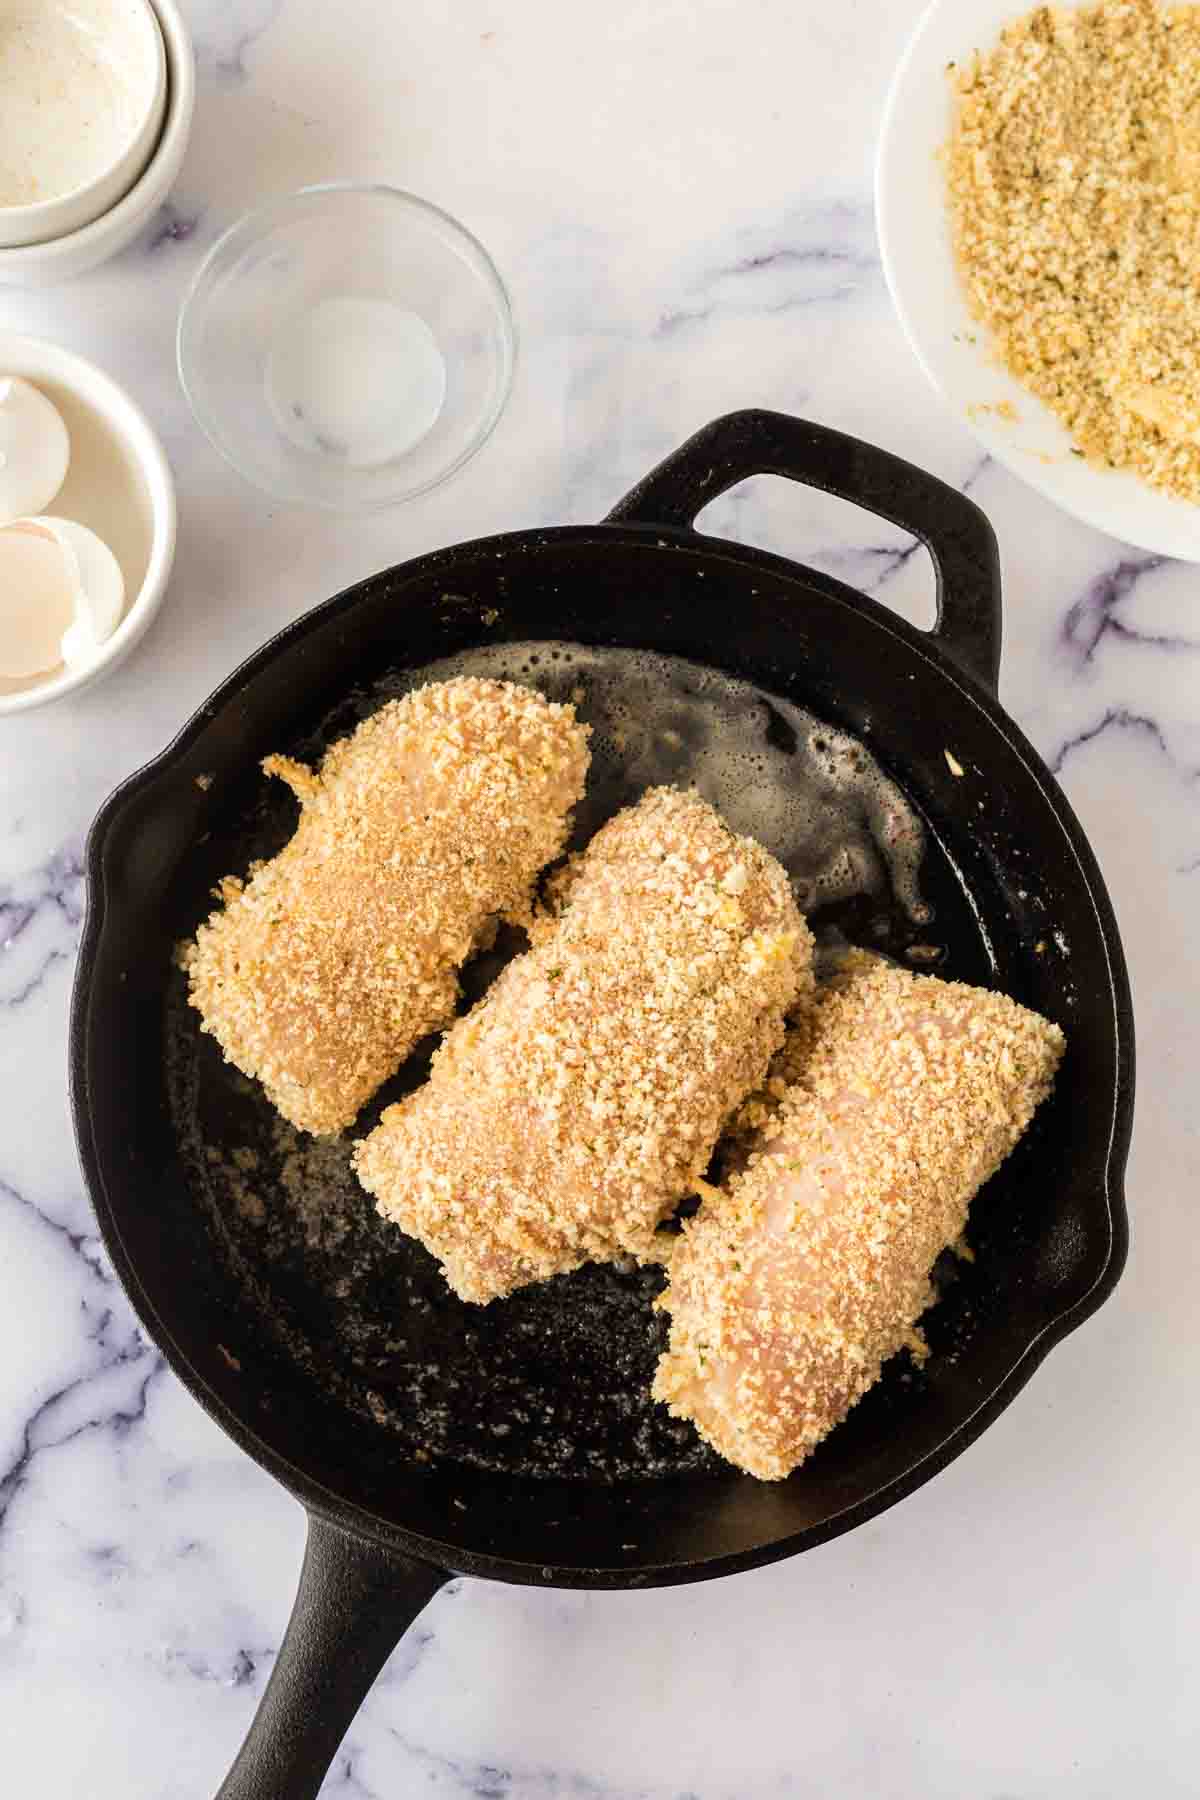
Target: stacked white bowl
point(97, 107)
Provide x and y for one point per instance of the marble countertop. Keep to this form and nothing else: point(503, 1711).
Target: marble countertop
point(680, 198)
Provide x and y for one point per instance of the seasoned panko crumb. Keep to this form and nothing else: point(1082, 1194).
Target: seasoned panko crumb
point(791, 1289)
point(1074, 186)
point(425, 825)
point(567, 1114)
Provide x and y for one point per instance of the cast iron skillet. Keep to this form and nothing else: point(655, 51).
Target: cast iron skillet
point(515, 1442)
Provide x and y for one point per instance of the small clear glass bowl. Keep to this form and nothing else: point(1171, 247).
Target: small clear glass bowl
point(347, 347)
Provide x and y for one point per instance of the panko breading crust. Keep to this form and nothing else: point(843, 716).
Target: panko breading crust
point(1074, 200)
point(569, 1112)
point(319, 974)
point(799, 1278)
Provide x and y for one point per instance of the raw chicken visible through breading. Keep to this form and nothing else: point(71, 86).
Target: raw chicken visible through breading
point(793, 1285)
point(431, 820)
point(567, 1114)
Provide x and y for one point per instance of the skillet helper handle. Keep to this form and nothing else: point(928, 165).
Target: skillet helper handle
point(353, 1605)
point(952, 528)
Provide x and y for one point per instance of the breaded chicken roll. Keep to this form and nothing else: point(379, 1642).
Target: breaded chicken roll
point(433, 819)
point(797, 1280)
point(569, 1112)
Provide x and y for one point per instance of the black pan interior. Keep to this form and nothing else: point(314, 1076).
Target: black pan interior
point(522, 1430)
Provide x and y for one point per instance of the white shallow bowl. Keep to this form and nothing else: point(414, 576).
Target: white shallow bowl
point(952, 348)
point(118, 483)
point(41, 265)
point(69, 142)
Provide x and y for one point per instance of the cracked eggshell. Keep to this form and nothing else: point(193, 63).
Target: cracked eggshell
point(35, 449)
point(97, 583)
point(91, 581)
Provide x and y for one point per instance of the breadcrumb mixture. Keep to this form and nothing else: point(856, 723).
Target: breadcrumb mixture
point(896, 1098)
point(1073, 175)
point(569, 1112)
point(421, 828)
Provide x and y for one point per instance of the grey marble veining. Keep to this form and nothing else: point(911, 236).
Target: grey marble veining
point(683, 213)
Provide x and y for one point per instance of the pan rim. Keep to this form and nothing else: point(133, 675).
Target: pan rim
point(348, 1514)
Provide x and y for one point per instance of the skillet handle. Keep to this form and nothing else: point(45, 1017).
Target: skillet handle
point(952, 528)
point(354, 1603)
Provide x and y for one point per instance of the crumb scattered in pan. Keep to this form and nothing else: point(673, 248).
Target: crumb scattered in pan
point(923, 954)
